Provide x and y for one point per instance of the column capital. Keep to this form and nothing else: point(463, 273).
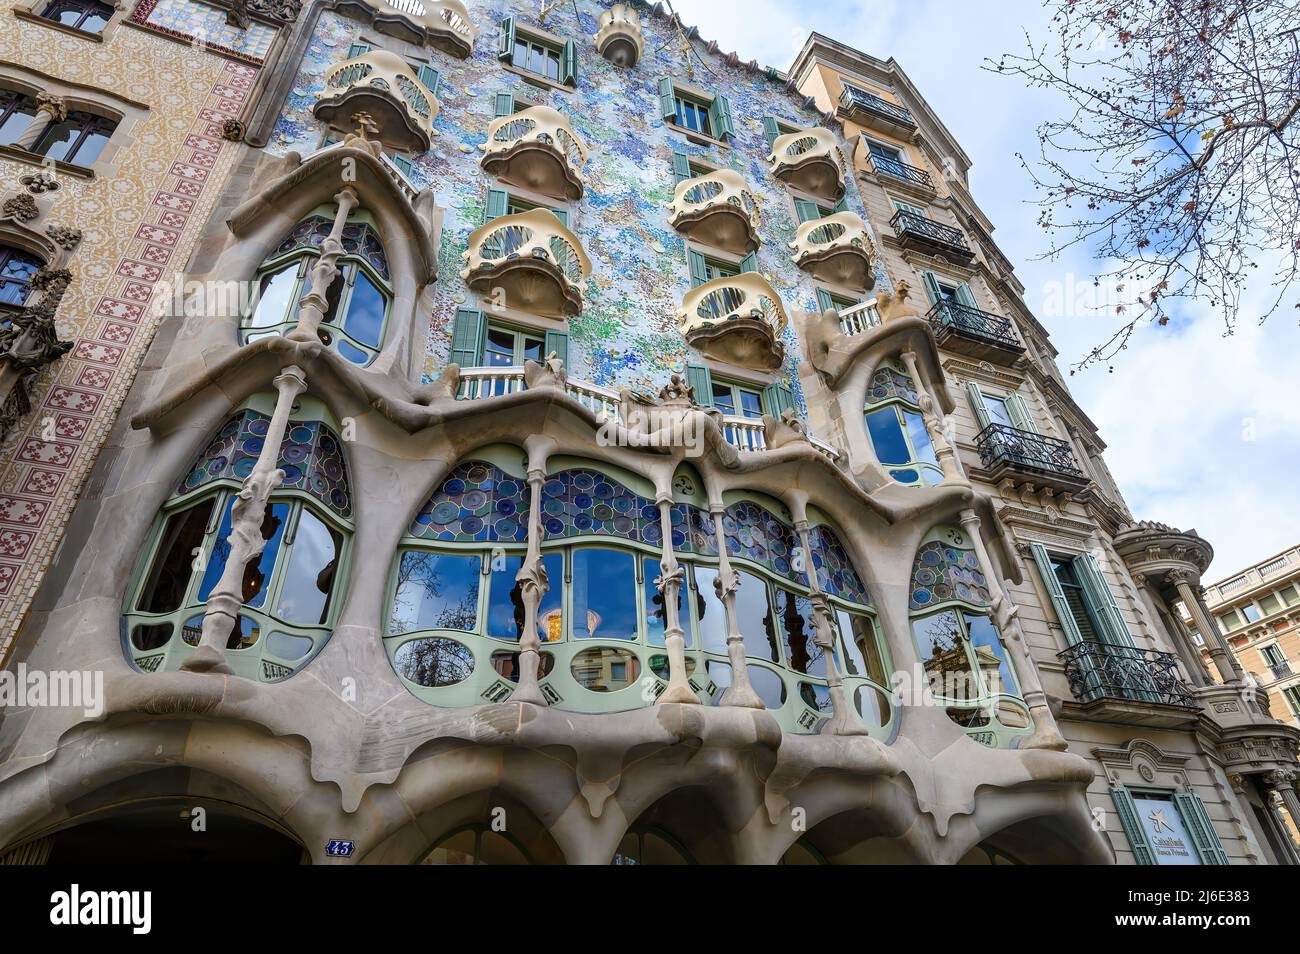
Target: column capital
point(52, 104)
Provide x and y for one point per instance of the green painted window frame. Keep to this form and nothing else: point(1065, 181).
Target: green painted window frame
point(676, 103)
point(899, 405)
point(1191, 811)
point(504, 202)
point(1292, 696)
point(511, 36)
point(1017, 410)
point(706, 268)
point(737, 388)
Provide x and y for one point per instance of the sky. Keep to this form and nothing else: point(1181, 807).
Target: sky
point(1202, 430)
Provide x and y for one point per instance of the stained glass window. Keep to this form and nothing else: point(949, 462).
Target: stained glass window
point(943, 572)
point(889, 382)
point(835, 573)
point(755, 533)
point(477, 503)
point(579, 502)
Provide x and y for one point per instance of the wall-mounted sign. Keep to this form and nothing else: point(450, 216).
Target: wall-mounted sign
point(340, 849)
point(1165, 831)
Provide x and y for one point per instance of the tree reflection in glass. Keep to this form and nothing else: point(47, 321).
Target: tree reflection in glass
point(656, 612)
point(309, 576)
point(942, 645)
point(434, 662)
point(435, 591)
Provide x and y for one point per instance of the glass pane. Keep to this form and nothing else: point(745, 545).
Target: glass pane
point(604, 594)
point(797, 627)
point(550, 613)
point(858, 636)
point(60, 137)
point(507, 665)
point(169, 576)
point(352, 352)
point(751, 404)
point(435, 591)
point(997, 409)
point(723, 399)
point(992, 658)
point(873, 706)
point(434, 661)
point(505, 615)
point(520, 56)
point(754, 619)
point(288, 646)
point(90, 148)
point(257, 573)
point(309, 576)
point(656, 612)
point(940, 642)
point(274, 297)
point(500, 349)
point(365, 320)
point(887, 436)
point(605, 668)
point(919, 437)
point(18, 118)
point(532, 348)
point(147, 636)
point(552, 66)
point(709, 612)
point(769, 686)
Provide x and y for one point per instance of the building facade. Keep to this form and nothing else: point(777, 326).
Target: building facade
point(545, 437)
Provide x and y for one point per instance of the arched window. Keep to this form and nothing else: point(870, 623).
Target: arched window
point(897, 430)
point(89, 16)
point(290, 593)
point(477, 845)
point(79, 139)
point(358, 298)
point(16, 270)
point(457, 613)
point(651, 846)
point(960, 648)
point(17, 110)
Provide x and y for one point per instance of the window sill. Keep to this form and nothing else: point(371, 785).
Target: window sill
point(32, 159)
point(539, 81)
point(699, 139)
point(30, 17)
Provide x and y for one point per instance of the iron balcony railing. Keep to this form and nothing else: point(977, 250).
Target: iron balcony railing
point(911, 225)
point(1280, 669)
point(1000, 444)
point(900, 170)
point(1098, 670)
point(854, 98)
point(972, 321)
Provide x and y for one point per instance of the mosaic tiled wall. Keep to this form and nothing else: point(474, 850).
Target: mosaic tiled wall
point(139, 223)
point(627, 333)
point(202, 23)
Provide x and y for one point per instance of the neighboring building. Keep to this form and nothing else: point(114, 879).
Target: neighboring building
point(630, 454)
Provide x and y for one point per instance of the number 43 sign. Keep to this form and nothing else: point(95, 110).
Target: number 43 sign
point(340, 849)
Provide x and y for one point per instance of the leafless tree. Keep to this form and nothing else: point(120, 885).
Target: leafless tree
point(1178, 162)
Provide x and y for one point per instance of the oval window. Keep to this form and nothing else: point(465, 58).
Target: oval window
point(659, 666)
point(507, 665)
point(288, 646)
point(149, 636)
point(873, 706)
point(605, 668)
point(433, 662)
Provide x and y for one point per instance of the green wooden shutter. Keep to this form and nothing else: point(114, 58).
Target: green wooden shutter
point(843, 204)
point(932, 287)
point(506, 40)
point(569, 64)
point(681, 167)
point(1018, 411)
point(977, 405)
point(777, 398)
point(497, 203)
point(1133, 830)
point(720, 118)
point(824, 301)
point(562, 215)
point(965, 296)
point(429, 79)
point(806, 211)
point(467, 338)
point(330, 141)
point(1059, 603)
point(358, 49)
point(701, 379)
point(749, 263)
point(1199, 826)
point(698, 267)
point(771, 131)
point(667, 99)
point(1101, 600)
point(557, 342)
point(402, 163)
point(504, 104)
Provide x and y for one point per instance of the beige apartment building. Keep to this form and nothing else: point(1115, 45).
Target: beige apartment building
point(627, 454)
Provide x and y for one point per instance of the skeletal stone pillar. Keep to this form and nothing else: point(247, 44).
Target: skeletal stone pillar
point(245, 541)
point(314, 303)
point(1223, 657)
point(741, 692)
point(949, 463)
point(50, 109)
point(669, 583)
point(1005, 614)
point(533, 585)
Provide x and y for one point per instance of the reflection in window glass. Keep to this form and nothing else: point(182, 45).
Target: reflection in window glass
point(287, 646)
point(274, 296)
point(873, 705)
point(887, 436)
point(169, 577)
point(656, 613)
point(309, 576)
point(435, 591)
point(939, 639)
point(550, 613)
point(365, 319)
point(434, 661)
point(993, 663)
point(797, 627)
point(258, 572)
point(709, 612)
point(604, 594)
point(765, 682)
point(605, 668)
point(754, 618)
point(858, 636)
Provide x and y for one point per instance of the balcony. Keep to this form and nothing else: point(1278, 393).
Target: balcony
point(912, 176)
point(717, 209)
point(1280, 670)
point(444, 24)
point(619, 38)
point(536, 149)
point(738, 319)
point(969, 331)
point(538, 264)
point(383, 87)
point(837, 249)
point(918, 232)
point(875, 113)
point(810, 160)
point(1006, 451)
point(1126, 684)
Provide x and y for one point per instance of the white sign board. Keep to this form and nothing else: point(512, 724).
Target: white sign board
point(1165, 831)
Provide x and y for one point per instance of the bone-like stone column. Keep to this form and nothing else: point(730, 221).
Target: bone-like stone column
point(245, 540)
point(1223, 657)
point(741, 692)
point(1006, 616)
point(50, 109)
point(671, 574)
point(315, 302)
point(532, 581)
point(949, 463)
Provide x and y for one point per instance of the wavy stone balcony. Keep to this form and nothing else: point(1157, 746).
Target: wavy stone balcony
point(533, 258)
point(383, 87)
point(738, 319)
point(717, 209)
point(837, 249)
point(536, 149)
point(619, 38)
point(444, 24)
point(810, 160)
point(975, 333)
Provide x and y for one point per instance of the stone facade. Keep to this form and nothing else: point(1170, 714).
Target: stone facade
point(705, 379)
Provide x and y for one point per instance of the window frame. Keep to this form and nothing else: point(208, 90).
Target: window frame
point(519, 334)
point(900, 406)
point(87, 7)
point(8, 253)
point(90, 124)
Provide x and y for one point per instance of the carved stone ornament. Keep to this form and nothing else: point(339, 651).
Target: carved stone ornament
point(21, 207)
point(783, 430)
point(64, 237)
point(233, 130)
point(677, 391)
point(52, 104)
point(31, 340)
point(38, 183)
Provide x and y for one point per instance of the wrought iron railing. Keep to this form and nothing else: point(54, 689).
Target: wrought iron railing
point(972, 321)
point(854, 98)
point(1280, 669)
point(905, 223)
point(1098, 670)
point(1001, 444)
point(900, 170)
